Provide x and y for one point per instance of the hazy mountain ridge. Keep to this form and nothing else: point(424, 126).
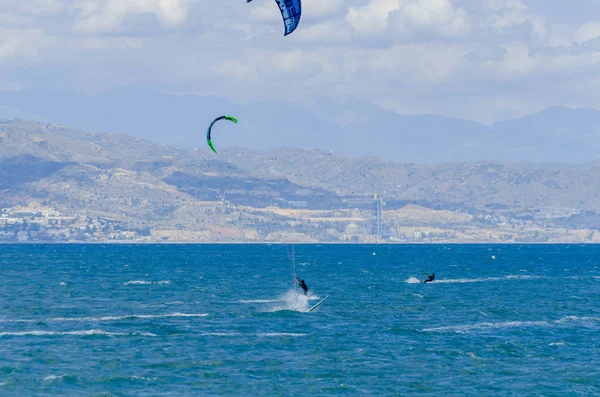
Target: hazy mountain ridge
point(454, 183)
point(354, 127)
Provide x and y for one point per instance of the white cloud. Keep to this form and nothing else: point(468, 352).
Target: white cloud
point(40, 8)
point(431, 16)
point(21, 46)
point(540, 28)
point(506, 4)
point(509, 17)
point(107, 17)
point(587, 32)
point(440, 56)
point(372, 18)
point(517, 63)
point(313, 9)
point(327, 33)
point(414, 64)
point(264, 11)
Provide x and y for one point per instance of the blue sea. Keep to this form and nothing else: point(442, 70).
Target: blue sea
point(225, 320)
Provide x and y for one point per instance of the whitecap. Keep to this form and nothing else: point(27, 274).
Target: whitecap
point(259, 300)
point(506, 324)
point(55, 377)
point(220, 334)
point(75, 333)
point(511, 324)
point(275, 334)
point(578, 319)
point(127, 317)
point(142, 378)
point(138, 282)
point(144, 282)
point(260, 334)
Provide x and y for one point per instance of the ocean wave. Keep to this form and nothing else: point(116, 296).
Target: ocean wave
point(54, 377)
point(260, 334)
point(91, 332)
point(506, 324)
point(135, 377)
point(144, 282)
point(277, 334)
point(260, 300)
point(567, 319)
point(512, 324)
point(105, 318)
point(60, 378)
point(220, 334)
point(128, 317)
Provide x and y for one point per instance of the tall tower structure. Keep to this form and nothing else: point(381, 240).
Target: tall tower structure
point(376, 228)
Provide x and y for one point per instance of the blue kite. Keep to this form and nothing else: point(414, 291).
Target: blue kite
point(290, 11)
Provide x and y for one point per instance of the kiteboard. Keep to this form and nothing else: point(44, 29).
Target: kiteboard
point(318, 303)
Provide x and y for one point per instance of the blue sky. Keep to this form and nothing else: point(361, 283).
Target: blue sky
point(482, 60)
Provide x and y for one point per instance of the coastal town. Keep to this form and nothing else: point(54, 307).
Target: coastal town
point(36, 222)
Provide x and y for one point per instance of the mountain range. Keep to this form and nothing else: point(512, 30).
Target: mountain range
point(352, 127)
point(183, 194)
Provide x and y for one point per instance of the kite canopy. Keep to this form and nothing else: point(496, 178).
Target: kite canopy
point(290, 11)
point(208, 132)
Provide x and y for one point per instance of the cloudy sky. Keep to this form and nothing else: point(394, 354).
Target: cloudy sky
point(482, 60)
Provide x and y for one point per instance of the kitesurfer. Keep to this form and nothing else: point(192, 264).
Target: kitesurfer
point(429, 278)
point(302, 285)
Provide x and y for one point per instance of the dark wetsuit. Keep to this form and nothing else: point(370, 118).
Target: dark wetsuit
point(429, 278)
point(303, 285)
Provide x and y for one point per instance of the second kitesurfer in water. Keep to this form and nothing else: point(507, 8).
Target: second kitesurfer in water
point(302, 285)
point(429, 278)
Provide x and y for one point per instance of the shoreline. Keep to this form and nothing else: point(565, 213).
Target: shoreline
point(281, 243)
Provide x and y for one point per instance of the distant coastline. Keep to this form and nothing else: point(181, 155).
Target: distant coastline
point(59, 185)
point(285, 243)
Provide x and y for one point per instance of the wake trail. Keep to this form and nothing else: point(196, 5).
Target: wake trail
point(414, 280)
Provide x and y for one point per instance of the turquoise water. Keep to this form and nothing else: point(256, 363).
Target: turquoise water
point(223, 320)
